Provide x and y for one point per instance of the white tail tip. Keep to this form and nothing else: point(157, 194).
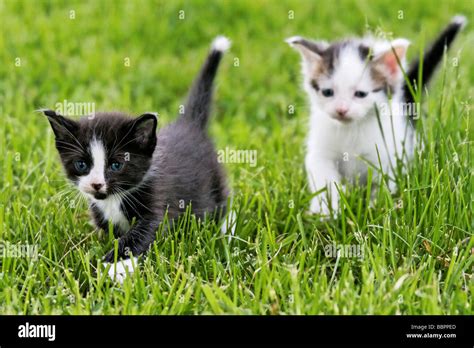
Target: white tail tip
point(221, 44)
point(459, 20)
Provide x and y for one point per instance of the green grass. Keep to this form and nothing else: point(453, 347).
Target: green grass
point(417, 245)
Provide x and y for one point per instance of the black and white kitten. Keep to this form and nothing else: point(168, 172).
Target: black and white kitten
point(129, 173)
point(345, 80)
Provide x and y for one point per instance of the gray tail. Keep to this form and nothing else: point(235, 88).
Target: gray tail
point(432, 57)
point(198, 105)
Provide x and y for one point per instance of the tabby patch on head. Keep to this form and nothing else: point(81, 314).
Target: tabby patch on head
point(348, 77)
point(107, 154)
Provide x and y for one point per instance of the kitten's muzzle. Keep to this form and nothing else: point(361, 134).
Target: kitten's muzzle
point(97, 187)
point(341, 115)
point(98, 191)
point(342, 119)
point(342, 111)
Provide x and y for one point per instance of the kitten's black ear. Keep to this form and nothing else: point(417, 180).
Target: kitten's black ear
point(144, 130)
point(62, 127)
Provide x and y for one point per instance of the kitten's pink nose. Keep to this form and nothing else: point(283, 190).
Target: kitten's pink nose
point(97, 187)
point(342, 111)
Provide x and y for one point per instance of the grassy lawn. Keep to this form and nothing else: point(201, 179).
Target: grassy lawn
point(415, 248)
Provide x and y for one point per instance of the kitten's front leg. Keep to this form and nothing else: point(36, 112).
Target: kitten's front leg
point(136, 241)
point(323, 173)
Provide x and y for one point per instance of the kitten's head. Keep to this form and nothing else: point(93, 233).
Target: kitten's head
point(347, 78)
point(106, 154)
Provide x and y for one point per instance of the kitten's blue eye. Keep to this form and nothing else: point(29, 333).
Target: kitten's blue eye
point(360, 94)
point(81, 166)
point(116, 166)
point(327, 92)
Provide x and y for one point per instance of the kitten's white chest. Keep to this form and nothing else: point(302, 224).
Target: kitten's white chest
point(112, 211)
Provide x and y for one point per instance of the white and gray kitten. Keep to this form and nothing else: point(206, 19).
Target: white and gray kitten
point(359, 98)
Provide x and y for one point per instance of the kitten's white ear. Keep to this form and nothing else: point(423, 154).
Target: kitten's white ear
point(310, 50)
point(388, 61)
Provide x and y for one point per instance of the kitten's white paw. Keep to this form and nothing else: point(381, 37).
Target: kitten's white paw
point(119, 271)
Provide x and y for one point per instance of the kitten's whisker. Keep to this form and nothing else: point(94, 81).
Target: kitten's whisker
point(75, 139)
point(139, 188)
point(114, 147)
point(62, 192)
point(128, 142)
point(128, 198)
